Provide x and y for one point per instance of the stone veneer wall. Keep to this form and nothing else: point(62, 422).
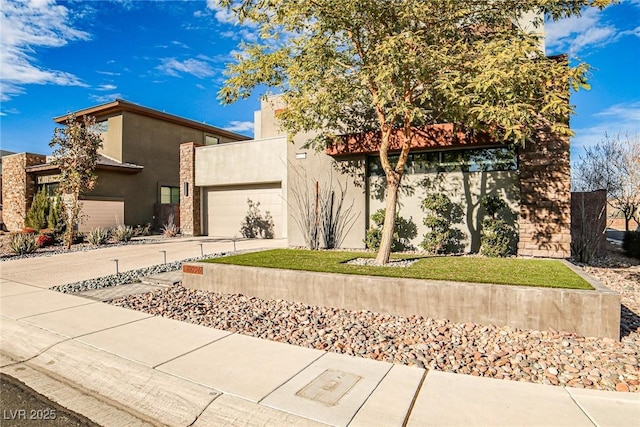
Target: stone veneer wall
point(545, 197)
point(190, 205)
point(18, 187)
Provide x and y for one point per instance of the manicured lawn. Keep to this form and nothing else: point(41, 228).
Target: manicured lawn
point(508, 271)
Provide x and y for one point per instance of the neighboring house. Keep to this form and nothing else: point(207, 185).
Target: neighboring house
point(535, 181)
point(137, 169)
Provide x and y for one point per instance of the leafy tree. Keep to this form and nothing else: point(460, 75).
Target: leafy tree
point(613, 164)
point(76, 155)
point(394, 67)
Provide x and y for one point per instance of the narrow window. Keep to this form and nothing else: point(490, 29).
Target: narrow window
point(169, 195)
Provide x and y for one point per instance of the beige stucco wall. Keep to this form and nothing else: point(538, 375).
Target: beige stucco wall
point(112, 138)
point(309, 167)
point(316, 166)
point(266, 124)
point(465, 189)
point(251, 166)
point(152, 143)
point(123, 187)
point(243, 162)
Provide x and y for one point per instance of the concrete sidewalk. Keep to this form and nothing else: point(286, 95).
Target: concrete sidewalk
point(123, 367)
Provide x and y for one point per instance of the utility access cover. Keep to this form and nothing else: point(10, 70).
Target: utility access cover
point(329, 387)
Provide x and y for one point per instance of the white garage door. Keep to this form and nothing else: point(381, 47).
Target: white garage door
point(226, 207)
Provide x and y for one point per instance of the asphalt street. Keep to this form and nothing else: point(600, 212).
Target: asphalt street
point(23, 406)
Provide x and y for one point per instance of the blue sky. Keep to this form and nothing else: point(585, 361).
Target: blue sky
point(62, 56)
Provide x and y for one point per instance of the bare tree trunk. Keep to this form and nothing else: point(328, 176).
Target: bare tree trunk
point(71, 218)
point(389, 222)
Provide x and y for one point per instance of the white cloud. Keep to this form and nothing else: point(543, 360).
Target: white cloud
point(629, 112)
point(179, 44)
point(619, 118)
point(576, 33)
point(105, 98)
point(222, 14)
point(25, 27)
point(106, 87)
point(173, 67)
point(238, 126)
point(108, 73)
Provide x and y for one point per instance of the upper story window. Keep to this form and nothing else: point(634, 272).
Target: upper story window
point(169, 195)
point(211, 140)
point(101, 126)
point(466, 160)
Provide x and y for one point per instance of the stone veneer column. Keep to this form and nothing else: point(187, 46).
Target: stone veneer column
point(18, 188)
point(545, 197)
point(190, 205)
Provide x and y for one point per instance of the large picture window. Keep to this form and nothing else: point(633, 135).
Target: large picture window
point(169, 195)
point(468, 160)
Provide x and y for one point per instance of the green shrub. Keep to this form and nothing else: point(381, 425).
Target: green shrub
point(497, 238)
point(442, 213)
point(631, 244)
point(404, 231)
point(23, 243)
point(98, 236)
point(55, 218)
point(38, 212)
point(255, 225)
point(123, 233)
point(493, 205)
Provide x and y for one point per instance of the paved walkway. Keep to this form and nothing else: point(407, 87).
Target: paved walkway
point(48, 271)
point(123, 367)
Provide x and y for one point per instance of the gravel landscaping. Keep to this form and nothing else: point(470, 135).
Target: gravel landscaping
point(126, 277)
point(546, 357)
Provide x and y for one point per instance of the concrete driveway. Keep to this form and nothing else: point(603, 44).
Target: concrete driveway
point(48, 271)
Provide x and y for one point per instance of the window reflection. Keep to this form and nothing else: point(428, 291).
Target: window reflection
point(468, 160)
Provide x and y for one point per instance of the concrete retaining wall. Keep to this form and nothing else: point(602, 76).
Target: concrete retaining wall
point(587, 313)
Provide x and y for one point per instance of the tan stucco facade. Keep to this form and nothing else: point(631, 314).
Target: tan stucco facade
point(142, 151)
point(228, 175)
point(304, 171)
point(466, 189)
point(540, 213)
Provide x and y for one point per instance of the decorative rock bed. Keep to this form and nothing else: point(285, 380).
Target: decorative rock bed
point(126, 276)
point(545, 357)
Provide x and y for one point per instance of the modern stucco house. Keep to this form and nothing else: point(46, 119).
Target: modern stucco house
point(137, 170)
point(534, 180)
